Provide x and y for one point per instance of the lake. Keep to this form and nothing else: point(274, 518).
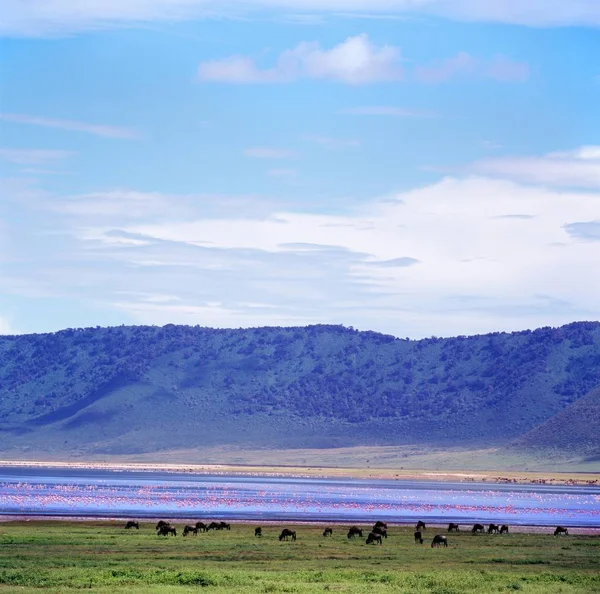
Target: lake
point(107, 493)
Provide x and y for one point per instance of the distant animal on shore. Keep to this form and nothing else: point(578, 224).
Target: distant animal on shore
point(421, 525)
point(418, 537)
point(258, 531)
point(167, 531)
point(478, 528)
point(561, 530)
point(504, 529)
point(453, 527)
point(201, 526)
point(354, 531)
point(285, 534)
point(374, 538)
point(493, 529)
point(224, 526)
point(189, 529)
point(328, 532)
point(132, 524)
point(439, 540)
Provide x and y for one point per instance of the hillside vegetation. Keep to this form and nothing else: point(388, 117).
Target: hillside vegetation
point(142, 389)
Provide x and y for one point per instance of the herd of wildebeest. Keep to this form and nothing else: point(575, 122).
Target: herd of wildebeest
point(376, 535)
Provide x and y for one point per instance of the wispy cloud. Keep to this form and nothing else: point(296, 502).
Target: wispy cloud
point(282, 172)
point(61, 17)
point(389, 111)
point(269, 152)
point(499, 68)
point(71, 125)
point(33, 156)
point(355, 61)
point(331, 143)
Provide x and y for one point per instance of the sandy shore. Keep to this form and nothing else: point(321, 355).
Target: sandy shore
point(504, 477)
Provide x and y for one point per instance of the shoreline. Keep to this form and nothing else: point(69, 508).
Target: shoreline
point(579, 479)
point(118, 520)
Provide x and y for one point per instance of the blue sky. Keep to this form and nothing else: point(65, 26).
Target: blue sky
point(418, 168)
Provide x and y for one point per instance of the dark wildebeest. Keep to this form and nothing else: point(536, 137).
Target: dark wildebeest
point(213, 526)
point(224, 526)
point(161, 523)
point(189, 529)
point(166, 530)
point(354, 531)
point(258, 531)
point(420, 525)
point(478, 528)
point(380, 524)
point(328, 532)
point(439, 540)
point(493, 529)
point(285, 534)
point(504, 529)
point(561, 530)
point(380, 531)
point(374, 538)
point(202, 527)
point(452, 527)
point(132, 524)
point(418, 537)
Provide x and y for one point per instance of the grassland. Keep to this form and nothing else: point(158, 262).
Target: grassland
point(103, 557)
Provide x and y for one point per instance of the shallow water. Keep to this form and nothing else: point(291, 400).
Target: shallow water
point(103, 493)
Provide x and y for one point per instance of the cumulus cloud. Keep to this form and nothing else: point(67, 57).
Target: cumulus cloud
point(499, 68)
point(355, 61)
point(579, 168)
point(71, 125)
point(60, 17)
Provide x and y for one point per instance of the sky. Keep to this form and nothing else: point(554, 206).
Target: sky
point(414, 167)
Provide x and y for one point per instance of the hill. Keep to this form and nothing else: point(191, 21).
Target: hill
point(574, 431)
point(141, 389)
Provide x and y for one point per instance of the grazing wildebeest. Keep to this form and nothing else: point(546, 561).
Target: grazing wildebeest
point(132, 524)
point(561, 530)
point(418, 537)
point(478, 528)
point(189, 529)
point(439, 540)
point(380, 524)
point(374, 538)
point(452, 527)
point(354, 531)
point(380, 531)
point(166, 530)
point(421, 525)
point(201, 526)
point(504, 529)
point(213, 526)
point(161, 523)
point(285, 534)
point(493, 529)
point(328, 532)
point(224, 526)
point(258, 531)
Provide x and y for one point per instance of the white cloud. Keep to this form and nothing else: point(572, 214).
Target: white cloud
point(355, 61)
point(578, 168)
point(268, 152)
point(5, 326)
point(33, 156)
point(384, 110)
point(71, 125)
point(332, 143)
point(60, 17)
point(499, 68)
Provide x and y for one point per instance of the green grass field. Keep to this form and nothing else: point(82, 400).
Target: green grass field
point(103, 557)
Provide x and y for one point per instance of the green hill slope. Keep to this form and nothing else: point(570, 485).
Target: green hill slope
point(139, 389)
point(573, 432)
